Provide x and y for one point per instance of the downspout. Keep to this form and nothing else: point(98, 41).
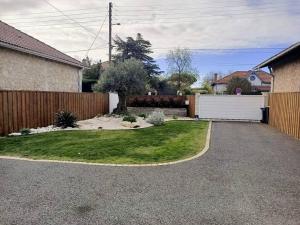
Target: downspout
point(271, 72)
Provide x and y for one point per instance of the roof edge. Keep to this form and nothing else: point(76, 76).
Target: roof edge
point(276, 56)
point(38, 54)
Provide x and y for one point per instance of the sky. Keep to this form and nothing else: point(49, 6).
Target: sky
point(222, 36)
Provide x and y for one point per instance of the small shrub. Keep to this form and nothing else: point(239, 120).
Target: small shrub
point(25, 131)
point(143, 115)
point(175, 117)
point(65, 119)
point(156, 118)
point(129, 118)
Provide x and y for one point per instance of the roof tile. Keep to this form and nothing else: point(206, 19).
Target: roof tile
point(11, 37)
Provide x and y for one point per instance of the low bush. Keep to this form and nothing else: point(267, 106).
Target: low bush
point(156, 118)
point(65, 119)
point(25, 131)
point(175, 117)
point(143, 115)
point(129, 118)
point(163, 102)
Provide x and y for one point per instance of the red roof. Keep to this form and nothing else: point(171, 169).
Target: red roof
point(262, 75)
point(261, 88)
point(15, 39)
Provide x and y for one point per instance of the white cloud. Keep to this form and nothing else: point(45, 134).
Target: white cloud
point(167, 24)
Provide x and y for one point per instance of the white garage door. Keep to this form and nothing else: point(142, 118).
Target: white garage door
point(230, 107)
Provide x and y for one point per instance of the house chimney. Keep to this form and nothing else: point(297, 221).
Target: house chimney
point(215, 77)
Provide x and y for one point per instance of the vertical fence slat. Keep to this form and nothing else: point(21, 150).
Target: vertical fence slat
point(1, 114)
point(285, 112)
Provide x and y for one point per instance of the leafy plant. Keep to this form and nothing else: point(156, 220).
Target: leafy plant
point(238, 83)
point(129, 118)
point(175, 117)
point(157, 118)
point(65, 119)
point(143, 115)
point(25, 131)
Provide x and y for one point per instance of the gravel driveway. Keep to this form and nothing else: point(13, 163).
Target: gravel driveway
point(250, 175)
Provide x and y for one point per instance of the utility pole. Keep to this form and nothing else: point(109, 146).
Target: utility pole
point(110, 26)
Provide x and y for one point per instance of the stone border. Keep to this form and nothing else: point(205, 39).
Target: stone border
point(204, 150)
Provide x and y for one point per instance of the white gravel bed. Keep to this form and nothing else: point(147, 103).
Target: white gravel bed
point(103, 122)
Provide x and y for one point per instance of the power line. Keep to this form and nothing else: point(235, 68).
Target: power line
point(200, 49)
point(87, 53)
point(227, 6)
point(145, 19)
point(74, 21)
point(70, 10)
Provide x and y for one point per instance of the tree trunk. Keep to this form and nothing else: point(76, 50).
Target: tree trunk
point(121, 107)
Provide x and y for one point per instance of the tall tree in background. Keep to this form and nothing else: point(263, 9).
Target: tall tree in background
point(125, 78)
point(211, 76)
point(136, 48)
point(237, 82)
point(180, 65)
point(183, 81)
point(91, 74)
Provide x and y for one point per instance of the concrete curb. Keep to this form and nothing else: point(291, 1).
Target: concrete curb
point(204, 150)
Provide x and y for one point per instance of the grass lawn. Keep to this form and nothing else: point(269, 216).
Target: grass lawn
point(173, 141)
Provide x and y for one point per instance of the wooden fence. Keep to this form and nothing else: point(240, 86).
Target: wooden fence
point(285, 112)
point(191, 106)
point(32, 109)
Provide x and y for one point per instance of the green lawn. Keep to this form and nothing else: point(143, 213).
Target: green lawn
point(173, 141)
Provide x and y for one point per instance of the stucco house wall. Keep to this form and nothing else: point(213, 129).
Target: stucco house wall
point(21, 71)
point(287, 77)
point(219, 88)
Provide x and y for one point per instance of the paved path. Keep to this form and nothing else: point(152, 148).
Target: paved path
point(250, 175)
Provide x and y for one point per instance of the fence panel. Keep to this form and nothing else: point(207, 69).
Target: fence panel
point(285, 112)
point(230, 107)
point(32, 109)
point(191, 106)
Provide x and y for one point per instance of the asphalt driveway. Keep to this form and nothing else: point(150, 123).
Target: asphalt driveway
point(250, 175)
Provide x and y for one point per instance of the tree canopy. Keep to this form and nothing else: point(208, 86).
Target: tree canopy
point(139, 49)
point(126, 78)
point(91, 74)
point(182, 81)
point(237, 82)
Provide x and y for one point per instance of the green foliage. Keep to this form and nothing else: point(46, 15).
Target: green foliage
point(148, 145)
point(182, 81)
point(91, 74)
point(206, 86)
point(237, 82)
point(138, 49)
point(156, 118)
point(175, 117)
point(126, 78)
point(129, 118)
point(65, 119)
point(143, 115)
point(25, 131)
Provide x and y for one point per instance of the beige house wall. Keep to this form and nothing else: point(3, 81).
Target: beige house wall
point(287, 77)
point(20, 71)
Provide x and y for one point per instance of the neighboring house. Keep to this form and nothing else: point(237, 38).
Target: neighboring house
point(285, 68)
point(260, 81)
point(29, 64)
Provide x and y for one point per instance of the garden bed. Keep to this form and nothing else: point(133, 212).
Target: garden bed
point(182, 112)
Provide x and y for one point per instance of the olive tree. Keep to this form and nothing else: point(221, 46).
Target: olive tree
point(126, 78)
